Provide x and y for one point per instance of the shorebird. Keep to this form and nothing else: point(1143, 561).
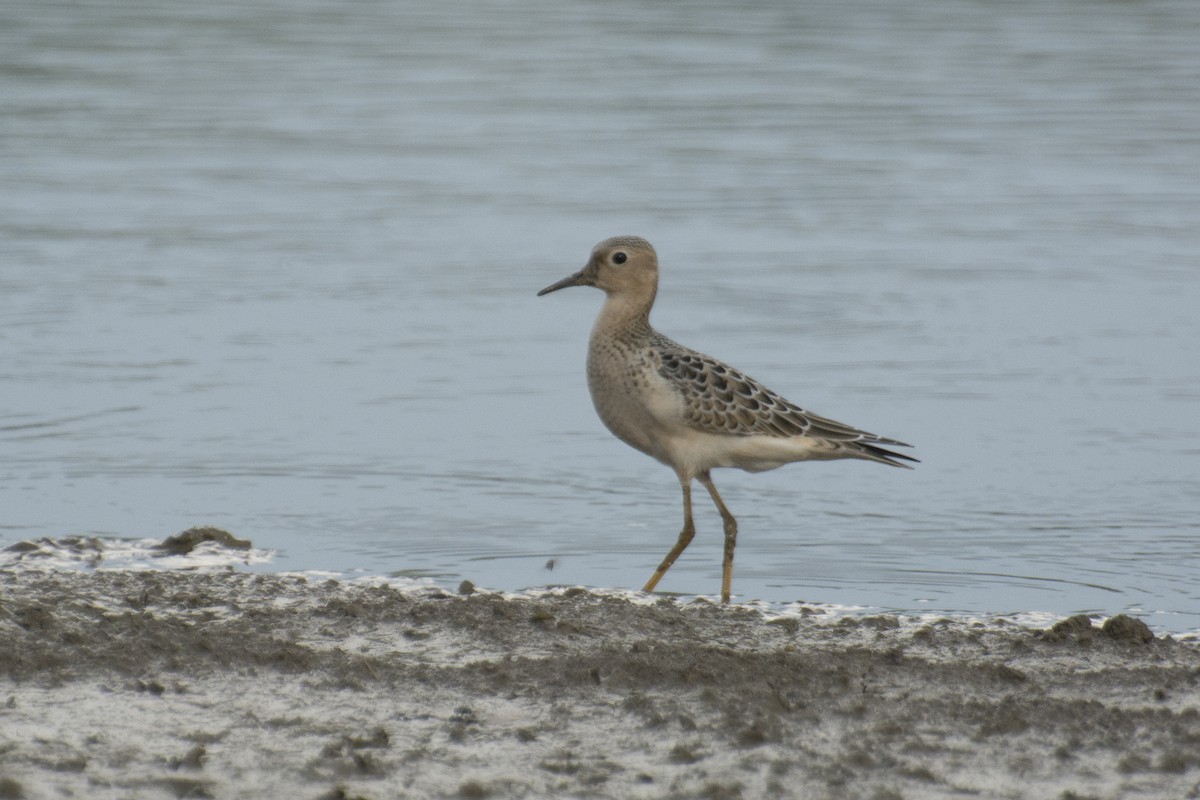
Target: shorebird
point(688, 410)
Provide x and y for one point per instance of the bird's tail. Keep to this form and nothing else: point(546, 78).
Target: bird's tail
point(871, 451)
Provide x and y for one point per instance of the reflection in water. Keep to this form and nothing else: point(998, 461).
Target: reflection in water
point(272, 268)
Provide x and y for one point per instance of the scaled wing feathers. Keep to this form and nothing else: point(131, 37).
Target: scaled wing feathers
point(719, 399)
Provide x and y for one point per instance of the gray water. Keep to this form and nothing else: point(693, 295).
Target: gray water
point(271, 266)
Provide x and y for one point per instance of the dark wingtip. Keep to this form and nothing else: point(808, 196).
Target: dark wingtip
point(889, 457)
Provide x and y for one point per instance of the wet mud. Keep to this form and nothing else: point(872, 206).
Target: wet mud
point(171, 684)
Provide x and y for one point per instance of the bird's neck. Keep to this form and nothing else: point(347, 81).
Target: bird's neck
point(624, 316)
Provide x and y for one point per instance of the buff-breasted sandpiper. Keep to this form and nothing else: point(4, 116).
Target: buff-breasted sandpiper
point(688, 410)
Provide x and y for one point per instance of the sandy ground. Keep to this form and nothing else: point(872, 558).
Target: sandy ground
point(167, 684)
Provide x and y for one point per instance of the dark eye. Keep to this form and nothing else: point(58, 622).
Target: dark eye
point(620, 258)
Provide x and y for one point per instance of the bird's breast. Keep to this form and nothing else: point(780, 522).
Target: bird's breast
point(631, 397)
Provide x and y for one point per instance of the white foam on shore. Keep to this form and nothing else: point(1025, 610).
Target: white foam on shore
point(103, 553)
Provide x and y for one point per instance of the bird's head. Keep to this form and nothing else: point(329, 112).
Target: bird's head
point(622, 265)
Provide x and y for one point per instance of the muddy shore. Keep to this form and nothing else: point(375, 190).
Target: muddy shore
point(169, 684)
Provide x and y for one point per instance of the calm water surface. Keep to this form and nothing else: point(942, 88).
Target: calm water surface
point(272, 267)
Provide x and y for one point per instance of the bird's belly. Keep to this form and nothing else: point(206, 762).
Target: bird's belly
point(698, 451)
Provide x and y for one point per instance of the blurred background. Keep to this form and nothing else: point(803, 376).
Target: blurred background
point(271, 266)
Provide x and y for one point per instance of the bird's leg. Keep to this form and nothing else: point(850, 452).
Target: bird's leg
point(685, 537)
point(730, 535)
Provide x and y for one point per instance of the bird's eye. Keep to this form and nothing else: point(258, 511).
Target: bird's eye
point(619, 258)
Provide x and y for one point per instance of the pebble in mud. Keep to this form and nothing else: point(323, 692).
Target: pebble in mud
point(232, 680)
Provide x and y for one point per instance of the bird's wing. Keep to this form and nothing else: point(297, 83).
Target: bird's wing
point(719, 399)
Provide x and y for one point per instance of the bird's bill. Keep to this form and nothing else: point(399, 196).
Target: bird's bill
point(581, 278)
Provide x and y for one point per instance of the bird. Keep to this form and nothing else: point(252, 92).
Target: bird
point(688, 410)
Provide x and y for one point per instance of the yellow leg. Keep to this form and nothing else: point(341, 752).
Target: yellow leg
point(730, 536)
point(685, 538)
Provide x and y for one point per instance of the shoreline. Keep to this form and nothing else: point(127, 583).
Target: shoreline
point(223, 684)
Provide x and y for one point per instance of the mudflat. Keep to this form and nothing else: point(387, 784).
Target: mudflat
point(168, 684)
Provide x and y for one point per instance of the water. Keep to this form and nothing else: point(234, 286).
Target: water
point(271, 266)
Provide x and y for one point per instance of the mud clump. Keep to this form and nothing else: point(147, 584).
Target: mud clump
point(1128, 629)
point(185, 542)
point(88, 550)
point(218, 684)
point(1073, 625)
